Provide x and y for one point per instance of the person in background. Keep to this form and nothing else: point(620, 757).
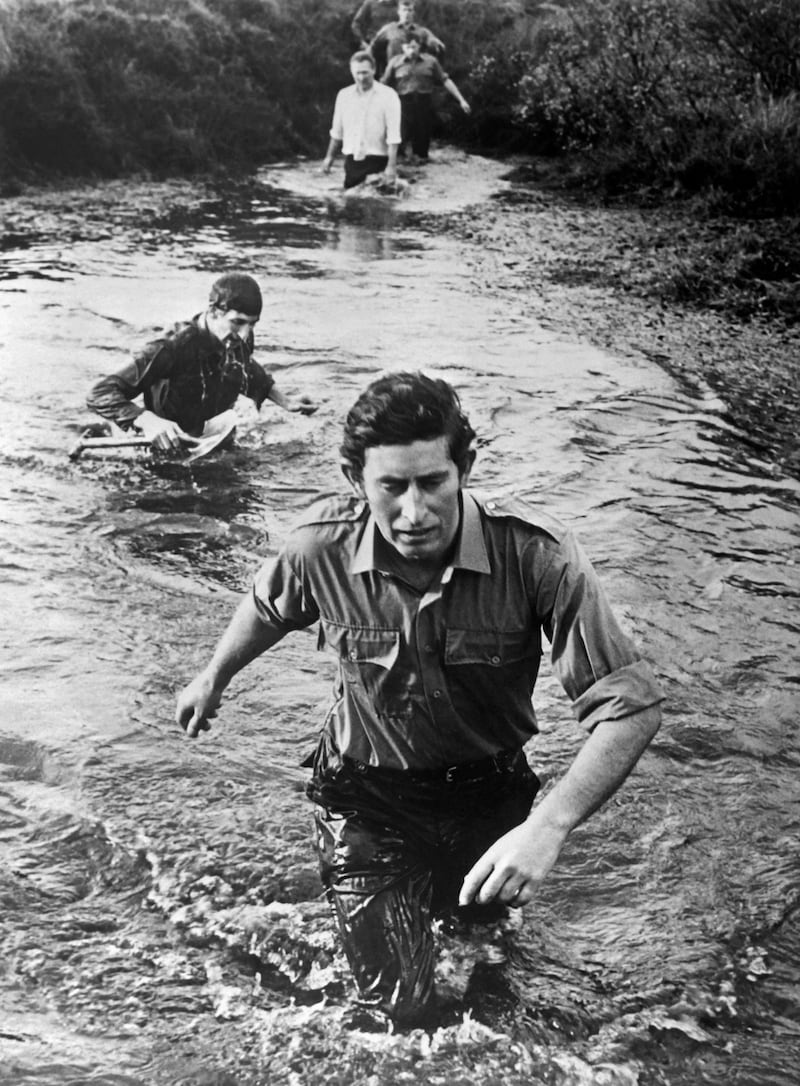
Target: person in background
point(415, 75)
point(365, 126)
point(370, 17)
point(195, 372)
point(434, 604)
point(388, 42)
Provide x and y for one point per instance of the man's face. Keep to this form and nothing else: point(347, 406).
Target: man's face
point(412, 492)
point(229, 322)
point(363, 74)
point(410, 49)
point(405, 14)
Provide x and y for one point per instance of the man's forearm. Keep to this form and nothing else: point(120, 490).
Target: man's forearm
point(360, 23)
point(278, 397)
point(454, 92)
point(598, 770)
point(245, 638)
point(333, 149)
point(111, 398)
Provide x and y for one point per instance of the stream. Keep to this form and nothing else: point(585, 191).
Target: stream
point(160, 911)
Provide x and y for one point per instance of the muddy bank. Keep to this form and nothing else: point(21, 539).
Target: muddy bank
point(607, 274)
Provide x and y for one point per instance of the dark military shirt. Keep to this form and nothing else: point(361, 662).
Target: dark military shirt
point(445, 676)
point(420, 75)
point(388, 42)
point(188, 376)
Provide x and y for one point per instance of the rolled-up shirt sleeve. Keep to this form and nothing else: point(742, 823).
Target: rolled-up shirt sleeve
point(281, 596)
point(337, 124)
point(598, 665)
point(112, 396)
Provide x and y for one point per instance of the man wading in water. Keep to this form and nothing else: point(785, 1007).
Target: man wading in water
point(366, 126)
point(434, 604)
point(190, 376)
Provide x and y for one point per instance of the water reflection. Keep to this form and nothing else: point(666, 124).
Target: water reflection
point(665, 943)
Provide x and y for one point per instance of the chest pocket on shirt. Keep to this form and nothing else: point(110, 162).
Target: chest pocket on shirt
point(509, 652)
point(366, 655)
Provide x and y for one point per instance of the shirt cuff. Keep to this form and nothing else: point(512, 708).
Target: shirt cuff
point(623, 692)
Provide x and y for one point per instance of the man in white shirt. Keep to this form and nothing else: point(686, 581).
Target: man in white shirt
point(366, 126)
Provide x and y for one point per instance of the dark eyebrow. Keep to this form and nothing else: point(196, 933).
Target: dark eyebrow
point(428, 477)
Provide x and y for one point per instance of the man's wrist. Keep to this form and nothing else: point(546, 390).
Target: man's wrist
point(552, 815)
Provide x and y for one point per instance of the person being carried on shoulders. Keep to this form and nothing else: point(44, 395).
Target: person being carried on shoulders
point(194, 373)
point(434, 605)
point(415, 75)
point(366, 126)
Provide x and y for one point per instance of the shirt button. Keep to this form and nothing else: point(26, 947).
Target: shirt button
point(495, 659)
point(437, 693)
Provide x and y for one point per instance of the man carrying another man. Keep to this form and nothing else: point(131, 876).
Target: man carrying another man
point(434, 605)
point(194, 373)
point(366, 126)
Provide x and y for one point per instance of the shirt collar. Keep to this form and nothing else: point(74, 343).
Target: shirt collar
point(470, 550)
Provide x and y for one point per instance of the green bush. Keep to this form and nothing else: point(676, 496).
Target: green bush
point(679, 95)
point(112, 86)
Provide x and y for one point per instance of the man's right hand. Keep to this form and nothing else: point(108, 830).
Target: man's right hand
point(163, 434)
point(327, 162)
point(197, 705)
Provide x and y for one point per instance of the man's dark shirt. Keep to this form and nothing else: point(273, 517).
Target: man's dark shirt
point(187, 375)
point(389, 40)
point(445, 676)
point(420, 75)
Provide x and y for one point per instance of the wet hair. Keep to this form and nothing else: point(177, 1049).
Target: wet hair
point(413, 35)
point(401, 408)
point(236, 290)
point(361, 55)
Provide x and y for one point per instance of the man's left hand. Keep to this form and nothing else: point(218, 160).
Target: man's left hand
point(511, 871)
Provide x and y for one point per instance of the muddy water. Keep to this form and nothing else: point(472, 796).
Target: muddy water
point(161, 914)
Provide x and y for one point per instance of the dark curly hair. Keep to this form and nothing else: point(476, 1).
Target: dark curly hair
point(400, 408)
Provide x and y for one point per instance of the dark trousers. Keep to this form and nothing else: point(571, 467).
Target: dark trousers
point(416, 122)
point(393, 854)
point(356, 171)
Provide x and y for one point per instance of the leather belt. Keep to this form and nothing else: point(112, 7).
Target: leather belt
point(451, 774)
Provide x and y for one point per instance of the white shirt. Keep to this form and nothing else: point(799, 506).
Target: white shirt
point(366, 123)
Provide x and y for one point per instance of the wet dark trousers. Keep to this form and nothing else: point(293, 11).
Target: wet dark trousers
point(393, 854)
point(356, 171)
point(416, 123)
